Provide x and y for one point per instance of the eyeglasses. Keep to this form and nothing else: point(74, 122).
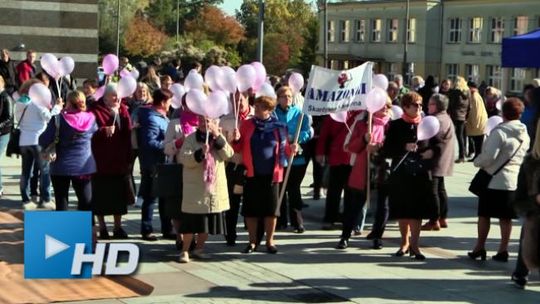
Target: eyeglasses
point(416, 105)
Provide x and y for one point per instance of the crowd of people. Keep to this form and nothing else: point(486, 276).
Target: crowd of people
point(236, 164)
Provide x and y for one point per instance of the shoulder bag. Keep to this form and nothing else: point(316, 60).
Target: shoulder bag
point(49, 153)
point(15, 138)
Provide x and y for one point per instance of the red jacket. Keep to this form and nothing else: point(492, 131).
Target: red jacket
point(331, 140)
point(357, 144)
point(25, 71)
point(243, 146)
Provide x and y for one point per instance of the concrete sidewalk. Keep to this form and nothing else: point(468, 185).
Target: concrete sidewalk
point(308, 270)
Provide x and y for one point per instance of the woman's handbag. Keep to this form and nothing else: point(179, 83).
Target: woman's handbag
point(481, 180)
point(15, 137)
point(168, 180)
point(49, 153)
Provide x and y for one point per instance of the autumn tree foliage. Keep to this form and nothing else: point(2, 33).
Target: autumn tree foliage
point(212, 24)
point(143, 39)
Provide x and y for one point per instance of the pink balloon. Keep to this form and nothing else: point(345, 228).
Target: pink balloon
point(125, 73)
point(193, 81)
point(99, 93)
point(134, 73)
point(245, 76)
point(260, 74)
point(228, 81)
point(266, 90)
point(195, 99)
point(339, 116)
point(40, 95)
point(380, 81)
point(178, 92)
point(376, 99)
point(492, 122)
point(211, 76)
point(50, 64)
point(216, 105)
point(126, 87)
point(428, 127)
point(110, 64)
point(296, 82)
point(66, 66)
point(397, 112)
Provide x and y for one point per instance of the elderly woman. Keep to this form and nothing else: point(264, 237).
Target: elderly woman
point(501, 156)
point(476, 120)
point(111, 146)
point(443, 165)
point(203, 155)
point(290, 115)
point(458, 108)
point(263, 143)
point(410, 185)
point(71, 132)
point(493, 96)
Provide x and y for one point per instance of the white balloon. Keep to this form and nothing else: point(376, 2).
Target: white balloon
point(380, 81)
point(245, 77)
point(194, 81)
point(296, 82)
point(211, 76)
point(376, 99)
point(66, 66)
point(216, 105)
point(126, 87)
point(396, 112)
point(493, 122)
point(40, 95)
point(195, 100)
point(428, 127)
point(266, 90)
point(339, 116)
point(228, 81)
point(134, 73)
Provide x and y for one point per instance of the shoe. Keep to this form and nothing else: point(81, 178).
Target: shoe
point(401, 253)
point(138, 202)
point(377, 244)
point(417, 256)
point(331, 226)
point(519, 281)
point(501, 257)
point(231, 243)
point(443, 223)
point(184, 257)
point(34, 198)
point(104, 234)
point(199, 254)
point(29, 206)
point(149, 237)
point(300, 229)
point(179, 244)
point(169, 236)
point(249, 249)
point(49, 205)
point(460, 160)
point(271, 249)
point(1, 192)
point(312, 185)
point(475, 254)
point(431, 226)
point(120, 234)
point(343, 244)
point(370, 236)
point(357, 232)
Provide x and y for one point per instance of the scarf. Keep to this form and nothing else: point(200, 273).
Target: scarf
point(188, 122)
point(209, 163)
point(378, 128)
point(243, 115)
point(272, 124)
point(412, 120)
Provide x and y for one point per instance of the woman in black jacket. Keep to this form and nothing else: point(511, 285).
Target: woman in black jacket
point(6, 123)
point(458, 108)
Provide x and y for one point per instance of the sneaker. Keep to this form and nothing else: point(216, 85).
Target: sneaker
point(343, 244)
point(49, 205)
point(29, 205)
point(299, 229)
point(104, 234)
point(377, 244)
point(199, 254)
point(138, 202)
point(184, 257)
point(519, 281)
point(34, 198)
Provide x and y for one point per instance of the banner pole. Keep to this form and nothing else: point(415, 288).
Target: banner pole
point(290, 160)
point(368, 179)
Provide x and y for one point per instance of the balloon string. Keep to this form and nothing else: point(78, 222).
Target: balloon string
point(236, 113)
point(207, 131)
point(57, 90)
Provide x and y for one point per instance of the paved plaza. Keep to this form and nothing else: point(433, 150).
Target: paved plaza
point(308, 269)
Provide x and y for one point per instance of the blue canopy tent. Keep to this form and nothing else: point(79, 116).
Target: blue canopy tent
point(522, 51)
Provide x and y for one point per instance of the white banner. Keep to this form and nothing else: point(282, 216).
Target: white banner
point(329, 91)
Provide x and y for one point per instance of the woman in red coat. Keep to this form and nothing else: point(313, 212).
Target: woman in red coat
point(111, 145)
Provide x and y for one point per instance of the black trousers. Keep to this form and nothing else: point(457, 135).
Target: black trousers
point(460, 135)
point(439, 197)
point(338, 178)
point(292, 200)
point(82, 187)
point(318, 170)
point(521, 269)
point(351, 211)
point(381, 212)
point(477, 142)
point(232, 172)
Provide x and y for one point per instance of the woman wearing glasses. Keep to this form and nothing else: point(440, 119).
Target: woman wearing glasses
point(410, 170)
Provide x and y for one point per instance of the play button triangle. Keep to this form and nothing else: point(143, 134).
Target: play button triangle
point(53, 246)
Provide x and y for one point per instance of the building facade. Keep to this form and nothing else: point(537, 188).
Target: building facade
point(445, 38)
point(61, 27)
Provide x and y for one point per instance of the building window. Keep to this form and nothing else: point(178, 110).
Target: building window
point(346, 65)
point(452, 71)
point(334, 64)
point(331, 31)
point(344, 31)
point(517, 78)
point(360, 30)
point(497, 30)
point(376, 25)
point(521, 24)
point(472, 72)
point(393, 30)
point(411, 31)
point(493, 75)
point(454, 30)
point(392, 70)
point(475, 30)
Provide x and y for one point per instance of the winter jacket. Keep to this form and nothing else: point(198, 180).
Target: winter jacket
point(443, 164)
point(501, 143)
point(151, 137)
point(477, 118)
point(8, 71)
point(6, 113)
point(35, 120)
point(331, 140)
point(133, 109)
point(458, 104)
point(197, 200)
point(291, 117)
point(25, 71)
point(74, 147)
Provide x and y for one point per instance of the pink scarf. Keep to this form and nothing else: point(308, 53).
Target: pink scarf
point(378, 128)
point(209, 165)
point(189, 122)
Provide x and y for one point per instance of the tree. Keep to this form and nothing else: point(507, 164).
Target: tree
point(143, 39)
point(213, 24)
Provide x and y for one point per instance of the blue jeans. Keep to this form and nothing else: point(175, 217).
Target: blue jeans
point(4, 139)
point(31, 157)
point(149, 201)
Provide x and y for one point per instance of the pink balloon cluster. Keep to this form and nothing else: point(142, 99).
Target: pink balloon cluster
point(214, 105)
point(57, 68)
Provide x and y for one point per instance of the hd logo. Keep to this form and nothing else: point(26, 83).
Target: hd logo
point(58, 245)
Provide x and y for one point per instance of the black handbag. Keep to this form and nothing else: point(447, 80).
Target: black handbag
point(15, 138)
point(168, 180)
point(482, 178)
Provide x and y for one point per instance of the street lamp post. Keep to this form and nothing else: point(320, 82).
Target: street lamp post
point(405, 68)
point(177, 20)
point(260, 31)
point(323, 6)
point(118, 28)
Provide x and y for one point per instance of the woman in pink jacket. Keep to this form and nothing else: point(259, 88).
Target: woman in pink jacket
point(361, 143)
